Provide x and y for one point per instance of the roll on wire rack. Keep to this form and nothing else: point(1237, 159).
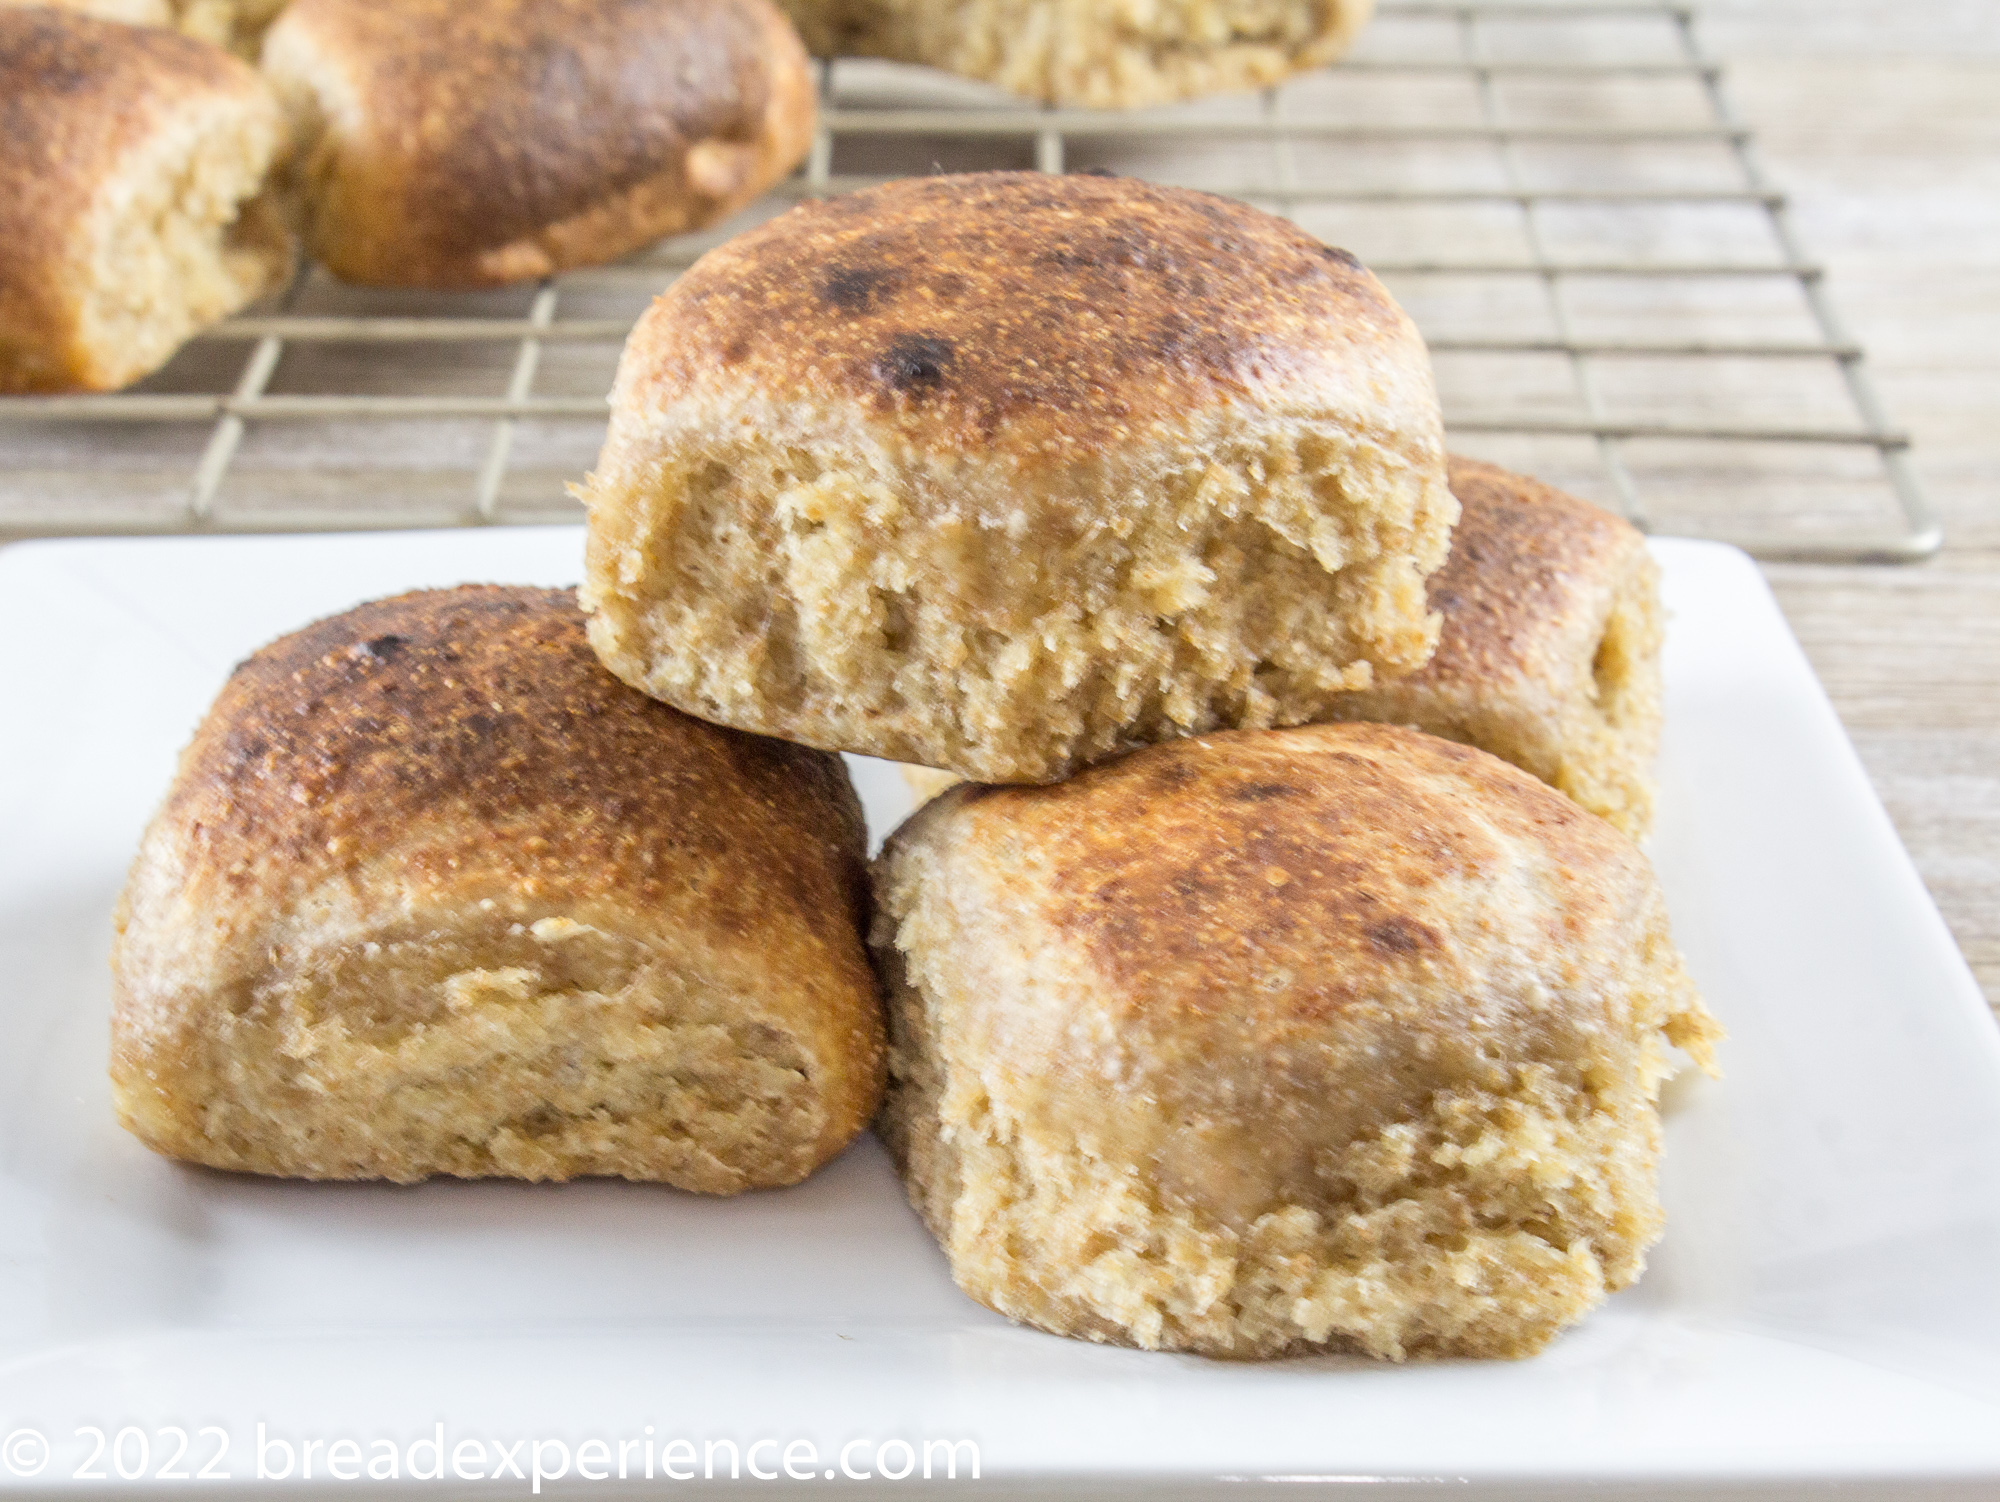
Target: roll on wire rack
point(1562, 195)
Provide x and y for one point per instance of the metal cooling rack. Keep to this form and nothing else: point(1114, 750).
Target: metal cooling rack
point(1562, 195)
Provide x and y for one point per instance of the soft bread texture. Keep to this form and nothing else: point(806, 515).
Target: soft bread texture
point(132, 207)
point(236, 24)
point(925, 783)
point(1259, 1043)
point(1092, 52)
point(468, 143)
point(432, 893)
point(1550, 652)
point(1549, 655)
point(1006, 473)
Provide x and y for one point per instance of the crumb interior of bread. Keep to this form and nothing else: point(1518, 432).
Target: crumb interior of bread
point(184, 236)
point(925, 783)
point(1605, 759)
point(1625, 693)
point(1466, 1230)
point(1101, 52)
point(543, 1051)
point(799, 597)
point(1481, 1225)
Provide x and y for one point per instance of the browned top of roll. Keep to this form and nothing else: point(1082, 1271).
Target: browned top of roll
point(77, 97)
point(482, 709)
point(483, 123)
point(1340, 857)
point(1021, 311)
point(1540, 542)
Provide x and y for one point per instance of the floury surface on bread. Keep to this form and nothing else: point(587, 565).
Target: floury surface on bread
point(1099, 53)
point(132, 204)
point(1549, 653)
point(1006, 473)
point(470, 143)
point(432, 893)
point(1259, 1043)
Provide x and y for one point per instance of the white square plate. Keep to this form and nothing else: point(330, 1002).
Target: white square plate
point(1826, 1303)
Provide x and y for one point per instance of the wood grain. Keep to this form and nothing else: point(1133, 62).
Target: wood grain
point(1888, 137)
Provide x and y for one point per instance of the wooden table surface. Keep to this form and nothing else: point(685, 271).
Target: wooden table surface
point(1883, 122)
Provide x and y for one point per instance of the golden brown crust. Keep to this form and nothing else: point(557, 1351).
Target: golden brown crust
point(1281, 851)
point(1254, 1042)
point(334, 739)
point(1549, 649)
point(1095, 53)
point(81, 102)
point(1519, 554)
point(1025, 312)
point(1009, 472)
point(466, 145)
point(458, 753)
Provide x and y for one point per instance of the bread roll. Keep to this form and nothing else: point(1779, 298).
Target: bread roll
point(469, 143)
point(1549, 655)
point(132, 215)
point(235, 24)
point(1005, 473)
point(1262, 1043)
point(1550, 652)
point(1093, 52)
point(432, 893)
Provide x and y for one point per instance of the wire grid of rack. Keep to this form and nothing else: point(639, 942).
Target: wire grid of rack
point(1562, 195)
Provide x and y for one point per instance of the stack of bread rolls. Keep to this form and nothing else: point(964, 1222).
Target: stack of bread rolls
point(1285, 978)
